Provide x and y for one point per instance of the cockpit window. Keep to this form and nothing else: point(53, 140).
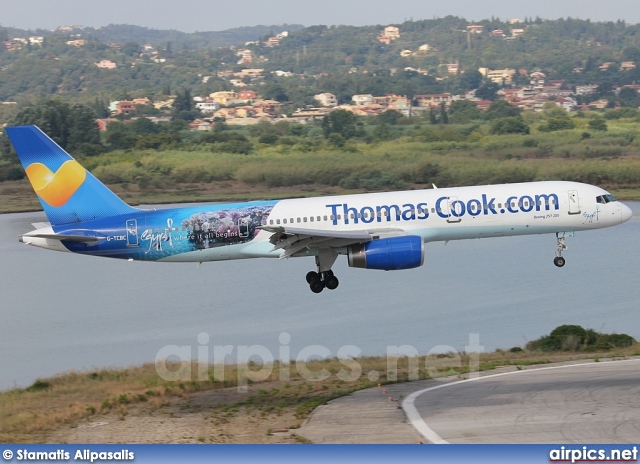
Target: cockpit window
point(605, 199)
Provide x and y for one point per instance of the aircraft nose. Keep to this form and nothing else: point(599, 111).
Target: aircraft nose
point(625, 213)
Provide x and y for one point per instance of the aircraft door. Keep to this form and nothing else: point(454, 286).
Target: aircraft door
point(132, 233)
point(574, 202)
point(455, 210)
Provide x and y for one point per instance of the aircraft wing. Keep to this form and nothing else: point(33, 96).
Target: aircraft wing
point(294, 240)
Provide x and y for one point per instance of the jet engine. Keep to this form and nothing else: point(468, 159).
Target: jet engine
point(388, 254)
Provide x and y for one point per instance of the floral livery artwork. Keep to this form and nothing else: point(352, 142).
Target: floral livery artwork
point(209, 229)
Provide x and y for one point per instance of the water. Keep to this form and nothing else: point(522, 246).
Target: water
point(62, 312)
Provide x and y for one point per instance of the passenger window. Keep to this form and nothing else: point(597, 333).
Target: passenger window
point(304, 219)
point(320, 219)
point(270, 222)
point(277, 221)
point(311, 219)
point(331, 217)
point(325, 218)
point(298, 220)
point(284, 221)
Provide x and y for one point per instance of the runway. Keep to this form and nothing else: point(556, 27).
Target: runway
point(596, 402)
point(574, 402)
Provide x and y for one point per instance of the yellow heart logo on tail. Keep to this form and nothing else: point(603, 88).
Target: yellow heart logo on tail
point(56, 188)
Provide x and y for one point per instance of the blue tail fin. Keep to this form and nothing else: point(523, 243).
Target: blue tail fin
point(67, 191)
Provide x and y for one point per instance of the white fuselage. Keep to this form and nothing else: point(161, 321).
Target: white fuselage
point(434, 214)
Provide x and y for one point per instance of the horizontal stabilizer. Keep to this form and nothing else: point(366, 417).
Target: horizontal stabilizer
point(67, 238)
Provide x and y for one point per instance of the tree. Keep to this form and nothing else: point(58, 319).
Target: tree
point(390, 117)
point(598, 124)
point(557, 119)
point(502, 109)
point(183, 101)
point(471, 80)
point(444, 117)
point(74, 127)
point(131, 48)
point(463, 111)
point(509, 125)
point(629, 98)
point(184, 107)
point(275, 92)
point(631, 53)
point(143, 126)
point(557, 124)
point(341, 122)
point(488, 91)
point(382, 132)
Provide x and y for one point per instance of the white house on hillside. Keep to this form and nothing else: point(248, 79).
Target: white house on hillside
point(326, 99)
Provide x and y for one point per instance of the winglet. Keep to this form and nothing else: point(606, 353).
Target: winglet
point(67, 191)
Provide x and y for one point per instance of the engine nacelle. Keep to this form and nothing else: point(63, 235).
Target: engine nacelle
point(388, 254)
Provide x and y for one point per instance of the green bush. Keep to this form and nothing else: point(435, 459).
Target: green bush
point(372, 179)
point(39, 385)
point(11, 172)
point(576, 338)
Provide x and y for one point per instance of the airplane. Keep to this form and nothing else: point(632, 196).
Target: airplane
point(384, 231)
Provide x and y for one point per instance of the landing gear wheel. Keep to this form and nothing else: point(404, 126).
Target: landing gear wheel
point(559, 261)
point(324, 276)
point(331, 282)
point(316, 285)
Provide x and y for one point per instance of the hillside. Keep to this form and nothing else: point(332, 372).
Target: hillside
point(444, 54)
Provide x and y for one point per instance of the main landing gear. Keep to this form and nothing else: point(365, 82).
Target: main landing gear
point(559, 260)
point(324, 278)
point(318, 281)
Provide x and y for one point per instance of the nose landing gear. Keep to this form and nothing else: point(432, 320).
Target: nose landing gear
point(559, 260)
